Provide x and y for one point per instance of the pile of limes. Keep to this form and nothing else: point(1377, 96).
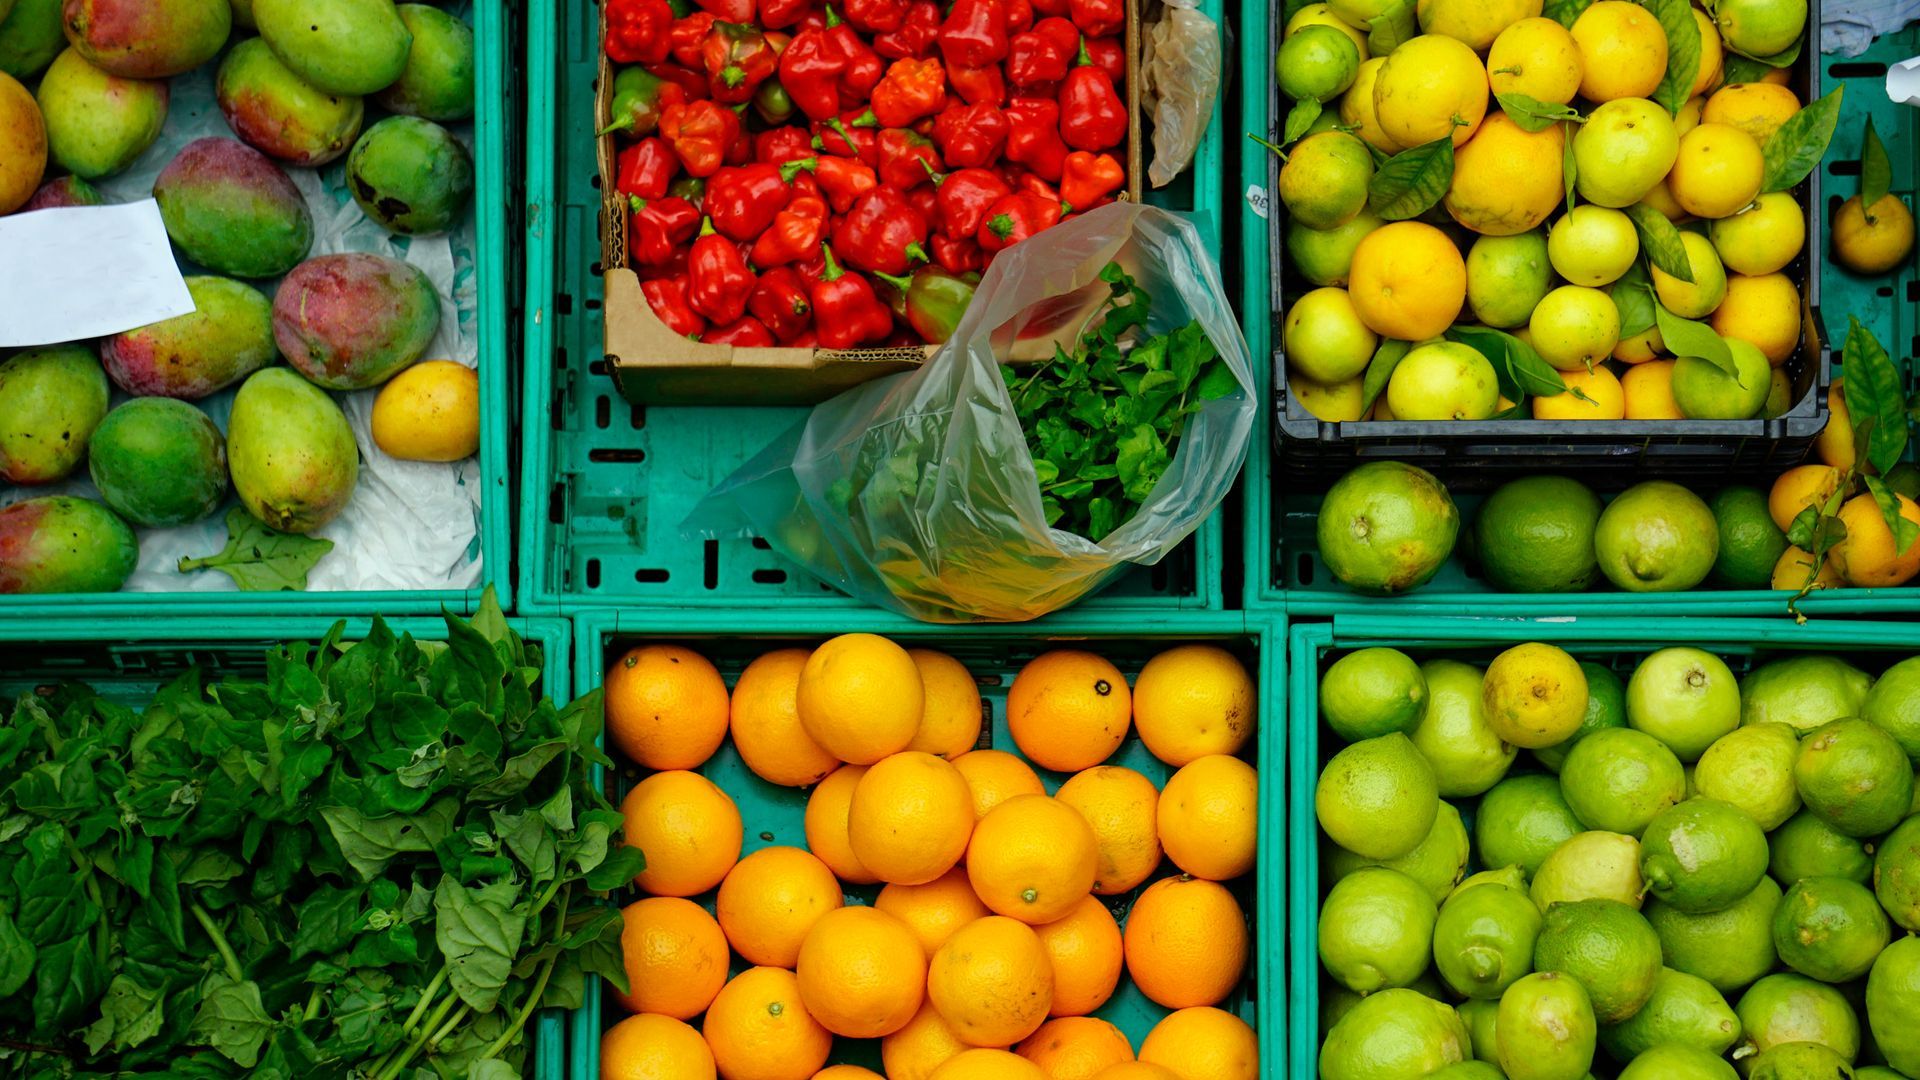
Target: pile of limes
point(1551, 200)
point(1687, 872)
point(943, 903)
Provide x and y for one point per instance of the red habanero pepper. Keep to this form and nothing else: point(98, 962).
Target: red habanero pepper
point(842, 180)
point(718, 280)
point(640, 99)
point(864, 66)
point(674, 267)
point(810, 69)
point(876, 16)
point(691, 85)
point(794, 234)
point(733, 11)
point(743, 199)
point(667, 296)
point(911, 89)
point(737, 59)
point(846, 312)
point(964, 197)
point(1091, 116)
point(1044, 8)
point(916, 36)
point(637, 30)
point(740, 150)
point(780, 301)
point(849, 135)
point(970, 134)
point(687, 40)
point(804, 183)
point(1033, 136)
point(883, 231)
point(774, 104)
point(979, 86)
point(1013, 219)
point(777, 146)
point(701, 133)
point(646, 168)
point(974, 34)
point(955, 256)
point(1019, 16)
point(1022, 180)
point(746, 330)
point(660, 228)
point(907, 158)
point(925, 200)
point(1044, 54)
point(691, 188)
point(1109, 55)
point(1098, 18)
point(1090, 180)
point(780, 14)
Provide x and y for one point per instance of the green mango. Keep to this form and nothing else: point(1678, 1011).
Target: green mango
point(63, 544)
point(148, 39)
point(50, 402)
point(30, 37)
point(230, 209)
point(280, 114)
point(292, 454)
point(97, 122)
point(159, 462)
point(340, 46)
point(410, 175)
point(438, 81)
point(228, 336)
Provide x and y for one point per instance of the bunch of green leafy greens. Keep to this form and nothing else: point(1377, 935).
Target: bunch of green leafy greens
point(1103, 421)
point(377, 863)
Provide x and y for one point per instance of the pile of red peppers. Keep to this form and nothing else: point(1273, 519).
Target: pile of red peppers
point(839, 175)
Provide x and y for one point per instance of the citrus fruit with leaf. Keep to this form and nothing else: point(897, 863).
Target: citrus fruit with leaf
point(1444, 380)
point(1535, 534)
point(1356, 108)
point(1764, 237)
point(1506, 180)
point(1626, 146)
point(1324, 337)
point(1750, 543)
point(1757, 108)
point(1649, 391)
point(1408, 281)
point(1729, 948)
point(1323, 15)
point(1764, 311)
point(1372, 692)
point(1324, 182)
point(1431, 87)
point(1600, 397)
point(1324, 256)
point(1317, 62)
point(1872, 240)
point(1761, 27)
point(1536, 57)
point(1592, 245)
point(1507, 276)
point(1872, 556)
point(1717, 172)
point(1697, 298)
point(1386, 527)
point(1656, 536)
point(1575, 327)
point(1623, 51)
point(1704, 391)
point(1801, 487)
point(1378, 797)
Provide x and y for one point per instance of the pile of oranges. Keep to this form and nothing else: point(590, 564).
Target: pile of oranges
point(991, 939)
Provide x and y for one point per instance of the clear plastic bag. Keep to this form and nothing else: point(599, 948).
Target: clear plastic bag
point(1181, 73)
point(916, 492)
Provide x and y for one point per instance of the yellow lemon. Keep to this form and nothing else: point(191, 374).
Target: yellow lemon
point(1538, 58)
point(1506, 179)
point(1870, 557)
point(1623, 51)
point(1324, 337)
point(1626, 146)
point(1641, 347)
point(1322, 15)
point(429, 412)
point(1796, 566)
point(1798, 488)
point(1575, 327)
point(1474, 23)
point(1661, 199)
point(1717, 172)
point(1604, 400)
point(1429, 87)
point(1873, 241)
point(1694, 299)
point(1356, 108)
point(1764, 237)
point(1593, 245)
point(1834, 445)
point(1333, 402)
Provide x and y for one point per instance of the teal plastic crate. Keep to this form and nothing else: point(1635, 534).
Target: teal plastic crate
point(1621, 641)
point(773, 815)
point(606, 483)
point(1252, 75)
point(496, 152)
point(129, 660)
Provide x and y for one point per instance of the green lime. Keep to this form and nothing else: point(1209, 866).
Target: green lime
point(1511, 876)
point(1372, 692)
point(1684, 697)
point(1893, 1004)
point(1703, 855)
point(1803, 691)
point(1705, 392)
point(1545, 1029)
point(1376, 930)
point(1317, 62)
point(1683, 1009)
point(1393, 1035)
point(1482, 1018)
point(1618, 779)
point(1787, 1008)
point(1507, 277)
point(1606, 945)
point(1468, 1070)
point(1729, 948)
point(1656, 537)
point(1484, 939)
point(1337, 1001)
point(1752, 768)
point(1325, 256)
point(1468, 758)
point(1896, 874)
point(1386, 528)
point(1876, 1072)
point(1521, 820)
point(1800, 1061)
point(1761, 27)
point(1535, 695)
point(1750, 543)
point(1324, 182)
point(1376, 798)
point(1830, 929)
point(1535, 534)
point(1855, 776)
point(1894, 704)
point(1592, 865)
point(1672, 1061)
point(1806, 846)
point(1606, 708)
point(1436, 862)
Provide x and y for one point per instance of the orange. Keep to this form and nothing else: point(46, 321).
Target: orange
point(1075, 1047)
point(1796, 566)
point(935, 910)
point(689, 829)
point(910, 818)
point(1084, 947)
point(826, 825)
point(1623, 51)
point(860, 697)
point(1186, 942)
point(1648, 391)
point(759, 1030)
point(1068, 710)
point(992, 982)
point(1204, 1044)
point(1755, 108)
point(861, 973)
point(1407, 281)
point(1605, 398)
point(989, 1065)
point(653, 1047)
point(847, 1072)
point(676, 958)
point(1193, 700)
point(1032, 858)
point(926, 1043)
point(766, 723)
point(1137, 1070)
point(1798, 488)
point(951, 725)
point(1118, 804)
point(666, 707)
point(994, 776)
point(1206, 817)
point(1763, 311)
point(1834, 445)
point(771, 899)
point(1869, 556)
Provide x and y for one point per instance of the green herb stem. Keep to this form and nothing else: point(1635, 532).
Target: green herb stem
point(526, 1010)
point(419, 1039)
point(219, 941)
point(426, 1000)
point(313, 1005)
point(446, 1029)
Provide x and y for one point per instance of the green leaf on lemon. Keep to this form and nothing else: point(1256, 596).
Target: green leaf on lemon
point(1874, 392)
point(1661, 241)
point(1412, 181)
point(1876, 172)
point(1683, 51)
point(1392, 28)
point(1796, 148)
point(1380, 370)
point(1685, 337)
point(1633, 298)
point(1532, 114)
point(1904, 530)
point(1299, 118)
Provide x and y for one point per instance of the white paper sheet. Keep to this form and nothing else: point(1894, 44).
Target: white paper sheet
point(86, 271)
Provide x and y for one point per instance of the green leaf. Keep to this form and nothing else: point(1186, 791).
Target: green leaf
point(1532, 114)
point(1412, 181)
point(1905, 531)
point(16, 957)
point(1299, 119)
point(492, 1069)
point(1380, 370)
point(1661, 241)
point(1876, 172)
point(1683, 51)
point(130, 1014)
point(1565, 12)
point(1143, 458)
point(1528, 374)
point(1742, 69)
point(1874, 392)
point(1633, 298)
point(1569, 167)
point(1800, 529)
point(479, 932)
point(259, 559)
point(325, 920)
point(1795, 149)
point(1392, 28)
point(233, 1020)
point(519, 771)
point(369, 844)
point(66, 982)
point(1685, 337)
point(1784, 58)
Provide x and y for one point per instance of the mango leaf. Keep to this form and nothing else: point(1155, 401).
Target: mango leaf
point(259, 559)
point(1796, 148)
point(1633, 298)
point(1392, 28)
point(1874, 391)
point(1685, 337)
point(1683, 51)
point(1876, 172)
point(1565, 12)
point(1412, 181)
point(1300, 118)
point(1532, 114)
point(1380, 370)
point(1661, 241)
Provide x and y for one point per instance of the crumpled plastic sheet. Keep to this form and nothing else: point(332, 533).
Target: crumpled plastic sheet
point(1180, 72)
point(1847, 27)
point(410, 524)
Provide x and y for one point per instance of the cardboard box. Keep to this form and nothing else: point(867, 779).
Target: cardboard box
point(653, 365)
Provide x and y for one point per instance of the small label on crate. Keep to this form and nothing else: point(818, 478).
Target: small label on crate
point(85, 272)
point(1257, 200)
